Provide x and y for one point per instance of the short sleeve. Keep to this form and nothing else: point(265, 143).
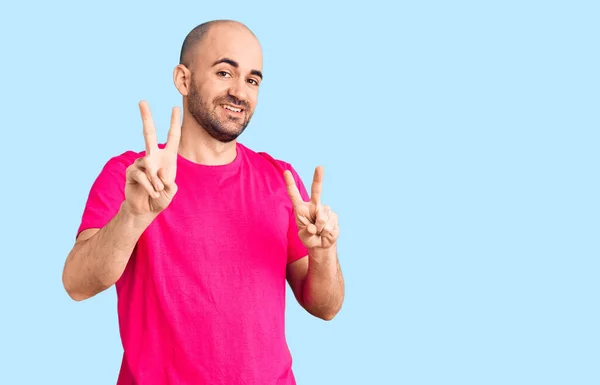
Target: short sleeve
point(105, 196)
point(296, 248)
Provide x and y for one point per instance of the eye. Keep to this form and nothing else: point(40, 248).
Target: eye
point(253, 81)
point(223, 73)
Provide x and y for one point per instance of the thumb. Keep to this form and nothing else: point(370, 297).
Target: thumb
point(170, 186)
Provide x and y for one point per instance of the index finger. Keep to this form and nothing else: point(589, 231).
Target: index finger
point(292, 189)
point(149, 129)
point(317, 186)
point(175, 131)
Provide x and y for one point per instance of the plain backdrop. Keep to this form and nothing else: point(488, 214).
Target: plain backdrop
point(460, 144)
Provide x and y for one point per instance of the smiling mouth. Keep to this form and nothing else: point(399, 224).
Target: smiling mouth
point(231, 108)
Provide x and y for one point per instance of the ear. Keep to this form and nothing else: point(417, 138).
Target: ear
point(182, 78)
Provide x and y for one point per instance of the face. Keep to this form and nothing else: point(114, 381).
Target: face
point(225, 77)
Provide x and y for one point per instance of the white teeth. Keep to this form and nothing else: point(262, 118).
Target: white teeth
point(233, 109)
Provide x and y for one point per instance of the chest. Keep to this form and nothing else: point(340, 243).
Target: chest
point(222, 226)
point(242, 205)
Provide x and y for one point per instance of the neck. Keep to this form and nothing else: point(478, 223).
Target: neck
point(197, 146)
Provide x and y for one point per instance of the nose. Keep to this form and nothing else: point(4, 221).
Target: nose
point(239, 90)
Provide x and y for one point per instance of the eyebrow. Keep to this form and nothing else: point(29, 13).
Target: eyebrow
point(235, 64)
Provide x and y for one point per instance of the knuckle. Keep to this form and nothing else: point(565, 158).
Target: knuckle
point(147, 162)
point(140, 175)
point(131, 170)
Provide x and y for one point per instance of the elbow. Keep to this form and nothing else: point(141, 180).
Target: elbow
point(75, 294)
point(326, 314)
point(68, 281)
point(330, 312)
point(80, 287)
point(70, 284)
point(77, 297)
point(69, 287)
point(329, 315)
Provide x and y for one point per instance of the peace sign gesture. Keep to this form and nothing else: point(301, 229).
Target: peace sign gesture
point(150, 184)
point(317, 224)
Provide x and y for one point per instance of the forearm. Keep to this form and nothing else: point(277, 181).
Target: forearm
point(323, 289)
point(95, 264)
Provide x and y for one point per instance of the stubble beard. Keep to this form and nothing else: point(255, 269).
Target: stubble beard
point(206, 116)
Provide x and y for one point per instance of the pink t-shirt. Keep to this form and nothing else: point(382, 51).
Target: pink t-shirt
point(202, 300)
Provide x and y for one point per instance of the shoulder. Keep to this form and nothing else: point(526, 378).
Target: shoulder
point(118, 163)
point(270, 166)
point(265, 159)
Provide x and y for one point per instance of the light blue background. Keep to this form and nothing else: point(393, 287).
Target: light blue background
point(460, 145)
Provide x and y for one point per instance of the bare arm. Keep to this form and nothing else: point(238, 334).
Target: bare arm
point(316, 280)
point(318, 283)
point(100, 256)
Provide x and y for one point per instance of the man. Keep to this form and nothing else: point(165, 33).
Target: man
point(199, 235)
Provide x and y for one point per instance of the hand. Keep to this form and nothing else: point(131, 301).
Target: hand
point(317, 224)
point(150, 184)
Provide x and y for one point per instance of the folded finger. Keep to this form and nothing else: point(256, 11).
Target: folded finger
point(169, 185)
point(140, 177)
point(333, 235)
point(330, 225)
point(154, 179)
point(146, 164)
point(310, 239)
point(323, 215)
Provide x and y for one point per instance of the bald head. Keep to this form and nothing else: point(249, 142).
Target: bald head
point(197, 35)
point(219, 74)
